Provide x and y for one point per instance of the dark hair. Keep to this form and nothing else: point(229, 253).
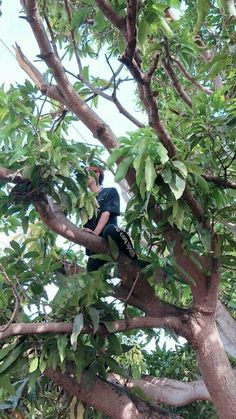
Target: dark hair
point(101, 178)
point(97, 169)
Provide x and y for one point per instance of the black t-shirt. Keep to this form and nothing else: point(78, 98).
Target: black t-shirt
point(108, 200)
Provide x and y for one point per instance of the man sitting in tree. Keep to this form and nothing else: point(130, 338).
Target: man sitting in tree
point(105, 223)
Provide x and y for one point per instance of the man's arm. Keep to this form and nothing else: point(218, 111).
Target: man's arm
point(100, 225)
point(102, 222)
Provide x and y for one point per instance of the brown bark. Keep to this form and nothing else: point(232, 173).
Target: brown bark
point(216, 370)
point(109, 398)
point(115, 326)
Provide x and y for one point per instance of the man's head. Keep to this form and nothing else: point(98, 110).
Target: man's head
point(98, 173)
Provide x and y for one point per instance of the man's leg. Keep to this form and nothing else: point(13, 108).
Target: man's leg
point(94, 264)
point(121, 238)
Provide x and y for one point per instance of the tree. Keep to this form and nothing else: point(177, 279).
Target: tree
point(179, 168)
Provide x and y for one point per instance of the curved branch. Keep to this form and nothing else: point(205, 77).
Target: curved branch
point(53, 216)
point(49, 90)
point(165, 390)
point(190, 78)
point(111, 15)
point(176, 83)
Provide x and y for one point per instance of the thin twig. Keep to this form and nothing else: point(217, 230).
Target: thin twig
point(132, 288)
point(190, 78)
point(153, 66)
point(74, 43)
point(53, 42)
point(172, 75)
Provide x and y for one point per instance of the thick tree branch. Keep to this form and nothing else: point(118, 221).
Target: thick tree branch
point(166, 390)
point(74, 102)
point(132, 7)
point(112, 400)
point(11, 176)
point(52, 215)
point(49, 90)
point(196, 208)
point(20, 329)
point(222, 183)
point(111, 15)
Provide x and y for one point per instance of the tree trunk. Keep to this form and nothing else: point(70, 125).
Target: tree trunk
point(217, 372)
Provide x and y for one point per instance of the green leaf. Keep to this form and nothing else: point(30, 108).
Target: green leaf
point(177, 186)
point(202, 10)
point(115, 367)
point(163, 153)
point(181, 168)
point(33, 364)
point(193, 168)
point(118, 152)
point(61, 346)
point(94, 316)
point(150, 173)
point(114, 346)
point(143, 30)
point(166, 175)
point(11, 358)
point(113, 248)
point(16, 247)
point(79, 17)
point(25, 224)
point(92, 372)
point(78, 325)
point(31, 254)
point(121, 42)
point(5, 351)
point(123, 168)
point(110, 326)
point(6, 383)
point(205, 237)
point(100, 256)
point(164, 26)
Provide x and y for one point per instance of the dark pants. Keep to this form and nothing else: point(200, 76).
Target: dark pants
point(123, 242)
